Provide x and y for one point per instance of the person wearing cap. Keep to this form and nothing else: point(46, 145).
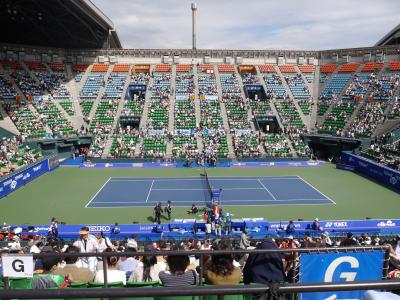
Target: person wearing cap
point(349, 241)
point(326, 240)
point(129, 264)
point(168, 209)
point(315, 225)
point(87, 244)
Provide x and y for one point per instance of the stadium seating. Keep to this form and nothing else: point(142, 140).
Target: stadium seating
point(51, 116)
point(371, 67)
point(68, 107)
point(335, 87)
point(104, 117)
point(163, 68)
point(297, 86)
point(123, 146)
point(358, 87)
point(86, 107)
point(306, 68)
point(184, 146)
point(7, 90)
point(207, 68)
point(225, 68)
point(100, 68)
point(91, 87)
point(305, 106)
point(267, 68)
point(79, 69)
point(328, 68)
point(289, 115)
point(121, 68)
point(261, 108)
point(183, 68)
point(275, 88)
point(336, 120)
point(287, 69)
point(184, 86)
point(348, 68)
point(185, 116)
point(115, 85)
point(323, 106)
point(30, 126)
point(235, 107)
point(250, 78)
point(394, 65)
point(276, 145)
point(246, 144)
point(154, 146)
point(370, 115)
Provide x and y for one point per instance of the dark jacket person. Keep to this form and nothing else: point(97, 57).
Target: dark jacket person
point(264, 267)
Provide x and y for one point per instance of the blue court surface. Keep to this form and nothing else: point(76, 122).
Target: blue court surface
point(184, 191)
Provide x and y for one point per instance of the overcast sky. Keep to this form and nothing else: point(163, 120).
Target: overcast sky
point(252, 24)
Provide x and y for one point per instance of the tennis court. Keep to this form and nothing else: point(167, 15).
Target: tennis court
point(184, 191)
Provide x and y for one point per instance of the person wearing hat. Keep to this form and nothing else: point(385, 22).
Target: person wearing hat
point(326, 240)
point(315, 225)
point(87, 244)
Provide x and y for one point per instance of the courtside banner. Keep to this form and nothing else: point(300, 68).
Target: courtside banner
point(15, 181)
point(339, 267)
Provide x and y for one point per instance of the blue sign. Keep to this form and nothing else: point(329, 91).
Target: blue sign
point(15, 181)
point(339, 267)
point(373, 169)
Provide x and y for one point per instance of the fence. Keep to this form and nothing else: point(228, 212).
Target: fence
point(220, 291)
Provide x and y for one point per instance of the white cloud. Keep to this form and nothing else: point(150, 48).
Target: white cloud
point(252, 24)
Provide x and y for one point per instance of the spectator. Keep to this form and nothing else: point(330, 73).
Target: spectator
point(290, 228)
point(71, 269)
point(48, 279)
point(244, 240)
point(350, 241)
point(129, 264)
point(264, 267)
point(113, 275)
point(36, 248)
point(220, 269)
point(87, 244)
point(178, 274)
point(147, 270)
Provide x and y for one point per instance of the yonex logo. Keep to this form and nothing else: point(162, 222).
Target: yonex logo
point(13, 184)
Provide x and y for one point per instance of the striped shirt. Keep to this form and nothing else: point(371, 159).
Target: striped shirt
point(189, 277)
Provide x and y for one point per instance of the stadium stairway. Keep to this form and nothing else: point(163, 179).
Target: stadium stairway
point(143, 119)
point(272, 101)
point(14, 85)
point(101, 93)
point(107, 147)
point(197, 108)
point(231, 152)
point(6, 122)
point(315, 94)
point(77, 118)
point(171, 113)
point(291, 96)
point(249, 114)
point(75, 123)
point(333, 102)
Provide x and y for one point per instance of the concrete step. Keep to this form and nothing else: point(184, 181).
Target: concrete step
point(171, 112)
point(100, 95)
point(200, 144)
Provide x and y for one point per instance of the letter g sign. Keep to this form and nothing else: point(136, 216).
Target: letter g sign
point(349, 276)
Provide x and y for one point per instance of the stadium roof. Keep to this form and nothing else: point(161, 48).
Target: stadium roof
point(56, 23)
point(391, 38)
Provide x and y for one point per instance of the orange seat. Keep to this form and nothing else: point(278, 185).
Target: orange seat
point(287, 69)
point(394, 65)
point(306, 68)
point(123, 68)
point(328, 68)
point(163, 68)
point(371, 66)
point(10, 64)
point(349, 68)
point(206, 68)
point(267, 68)
point(226, 68)
point(57, 67)
point(183, 68)
point(35, 65)
point(80, 67)
point(100, 68)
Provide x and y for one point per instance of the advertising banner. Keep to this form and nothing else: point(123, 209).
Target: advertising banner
point(339, 267)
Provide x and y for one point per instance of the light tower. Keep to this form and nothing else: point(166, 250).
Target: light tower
point(194, 10)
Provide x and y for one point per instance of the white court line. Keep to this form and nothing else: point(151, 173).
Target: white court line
point(97, 192)
point(274, 203)
point(317, 190)
point(273, 197)
point(148, 195)
point(234, 200)
point(227, 189)
point(199, 178)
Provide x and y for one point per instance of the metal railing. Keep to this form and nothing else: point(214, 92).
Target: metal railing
point(284, 288)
